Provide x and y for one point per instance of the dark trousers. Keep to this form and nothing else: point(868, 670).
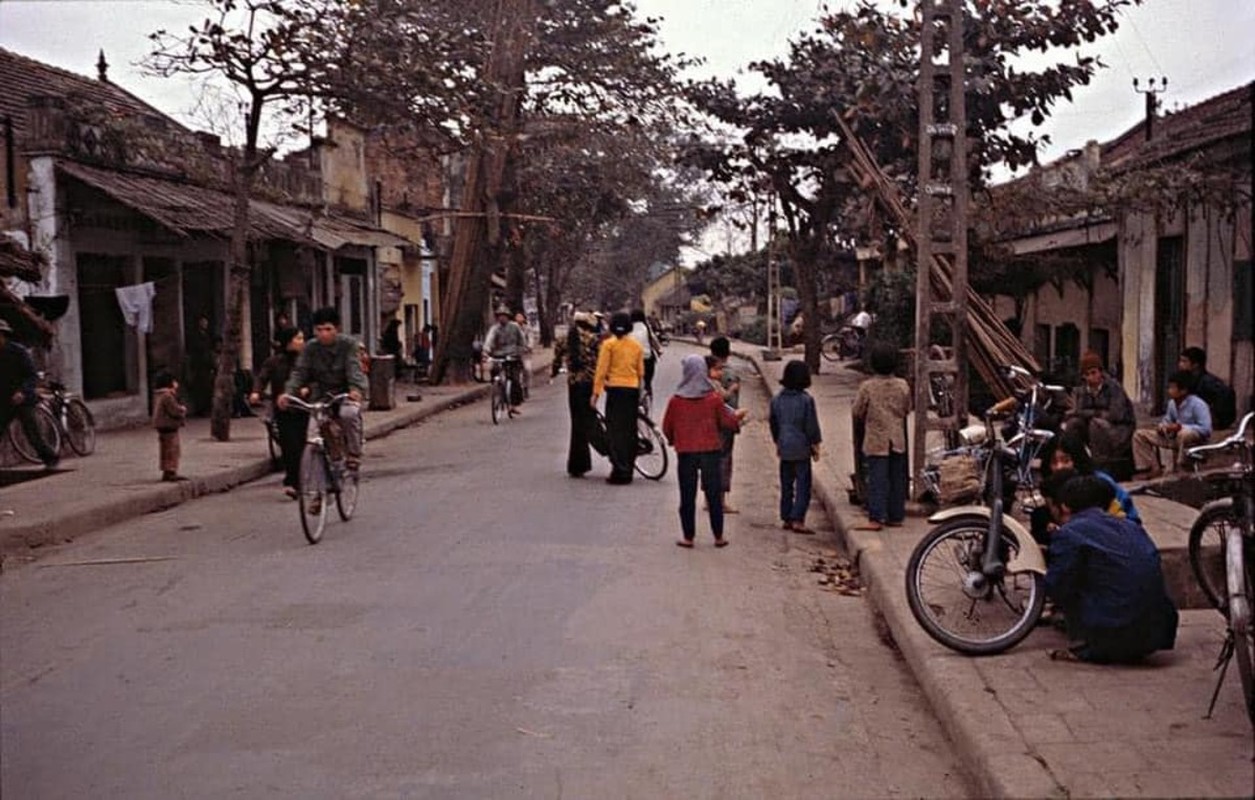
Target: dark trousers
point(292, 426)
point(579, 459)
point(727, 439)
point(692, 467)
point(25, 414)
point(651, 364)
point(621, 404)
point(886, 487)
point(168, 451)
point(795, 489)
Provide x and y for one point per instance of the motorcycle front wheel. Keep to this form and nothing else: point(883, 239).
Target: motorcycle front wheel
point(958, 606)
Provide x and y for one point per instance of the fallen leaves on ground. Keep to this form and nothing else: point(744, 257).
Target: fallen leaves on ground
point(837, 574)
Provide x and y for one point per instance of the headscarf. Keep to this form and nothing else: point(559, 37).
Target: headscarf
point(695, 382)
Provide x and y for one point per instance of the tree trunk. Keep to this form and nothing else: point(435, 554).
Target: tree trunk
point(237, 282)
point(805, 262)
point(478, 230)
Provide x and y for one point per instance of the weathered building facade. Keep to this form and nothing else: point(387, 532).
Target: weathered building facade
point(1159, 274)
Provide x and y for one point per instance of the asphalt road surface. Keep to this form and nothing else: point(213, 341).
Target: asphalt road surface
point(485, 627)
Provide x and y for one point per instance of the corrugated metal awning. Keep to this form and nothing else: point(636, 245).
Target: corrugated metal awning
point(183, 208)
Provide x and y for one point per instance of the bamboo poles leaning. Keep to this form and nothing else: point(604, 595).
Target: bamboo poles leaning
point(990, 344)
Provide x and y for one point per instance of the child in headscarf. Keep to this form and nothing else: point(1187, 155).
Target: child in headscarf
point(694, 417)
point(795, 430)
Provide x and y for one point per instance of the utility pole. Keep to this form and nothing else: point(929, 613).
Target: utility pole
point(1152, 92)
point(775, 326)
point(941, 224)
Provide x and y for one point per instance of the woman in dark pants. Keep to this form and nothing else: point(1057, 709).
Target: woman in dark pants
point(291, 423)
point(620, 372)
point(578, 351)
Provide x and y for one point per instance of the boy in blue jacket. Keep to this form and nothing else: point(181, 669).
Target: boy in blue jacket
point(1105, 576)
point(1186, 423)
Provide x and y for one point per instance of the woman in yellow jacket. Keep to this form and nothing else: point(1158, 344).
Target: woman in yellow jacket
point(620, 370)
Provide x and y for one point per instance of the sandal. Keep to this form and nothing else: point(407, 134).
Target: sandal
point(685, 543)
point(1064, 654)
point(799, 527)
point(720, 541)
point(869, 525)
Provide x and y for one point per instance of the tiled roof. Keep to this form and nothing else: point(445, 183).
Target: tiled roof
point(1189, 130)
point(22, 78)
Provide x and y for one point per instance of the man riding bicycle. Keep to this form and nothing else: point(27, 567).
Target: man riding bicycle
point(506, 340)
point(329, 365)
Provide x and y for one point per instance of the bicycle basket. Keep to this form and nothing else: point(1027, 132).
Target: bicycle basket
point(959, 480)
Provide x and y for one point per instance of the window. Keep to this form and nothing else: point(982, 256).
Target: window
point(1041, 345)
point(1243, 302)
point(1100, 343)
point(1067, 349)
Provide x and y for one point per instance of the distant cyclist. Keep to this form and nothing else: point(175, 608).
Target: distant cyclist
point(507, 340)
point(329, 365)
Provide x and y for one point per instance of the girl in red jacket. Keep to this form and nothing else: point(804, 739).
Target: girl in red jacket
point(695, 414)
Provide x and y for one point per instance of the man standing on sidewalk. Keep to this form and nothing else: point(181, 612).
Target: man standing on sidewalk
point(729, 389)
point(17, 394)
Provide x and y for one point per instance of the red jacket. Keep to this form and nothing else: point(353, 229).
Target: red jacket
point(692, 425)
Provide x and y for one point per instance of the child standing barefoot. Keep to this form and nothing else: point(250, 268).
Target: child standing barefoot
point(695, 415)
point(168, 416)
point(795, 430)
point(882, 403)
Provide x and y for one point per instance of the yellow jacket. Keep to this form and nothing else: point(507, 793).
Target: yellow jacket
point(620, 364)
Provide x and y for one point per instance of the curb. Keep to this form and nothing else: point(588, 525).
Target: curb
point(998, 759)
point(159, 498)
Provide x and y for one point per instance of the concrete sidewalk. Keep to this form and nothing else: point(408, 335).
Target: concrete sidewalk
point(120, 480)
point(1027, 726)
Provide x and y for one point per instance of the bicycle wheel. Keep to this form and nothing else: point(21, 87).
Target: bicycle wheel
point(1240, 618)
point(1207, 550)
point(346, 498)
point(48, 429)
point(830, 347)
point(313, 496)
point(651, 450)
point(80, 427)
point(954, 608)
point(498, 401)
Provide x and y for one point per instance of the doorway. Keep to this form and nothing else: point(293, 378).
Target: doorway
point(1169, 311)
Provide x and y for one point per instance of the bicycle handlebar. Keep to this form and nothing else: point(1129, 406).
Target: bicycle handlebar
point(1238, 438)
point(330, 400)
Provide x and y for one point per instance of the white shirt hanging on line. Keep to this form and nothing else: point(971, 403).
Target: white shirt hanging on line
point(136, 303)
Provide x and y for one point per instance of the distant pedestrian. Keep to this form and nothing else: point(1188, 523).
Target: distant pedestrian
point(728, 384)
point(644, 336)
point(1218, 395)
point(390, 341)
point(619, 374)
point(882, 403)
point(168, 416)
point(794, 426)
point(694, 417)
point(577, 351)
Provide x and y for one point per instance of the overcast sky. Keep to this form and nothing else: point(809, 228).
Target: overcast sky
point(1203, 47)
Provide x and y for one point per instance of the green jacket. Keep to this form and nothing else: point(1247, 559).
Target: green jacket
point(328, 369)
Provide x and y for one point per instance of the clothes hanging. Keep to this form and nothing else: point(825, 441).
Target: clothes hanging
point(136, 302)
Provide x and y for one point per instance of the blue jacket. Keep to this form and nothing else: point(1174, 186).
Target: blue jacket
point(794, 425)
point(1192, 413)
point(1104, 573)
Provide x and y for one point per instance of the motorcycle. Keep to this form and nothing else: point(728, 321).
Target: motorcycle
point(976, 581)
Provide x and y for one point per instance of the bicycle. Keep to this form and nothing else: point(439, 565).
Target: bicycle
point(1227, 526)
point(502, 387)
point(845, 344)
point(976, 582)
point(75, 423)
point(324, 475)
point(48, 428)
point(651, 447)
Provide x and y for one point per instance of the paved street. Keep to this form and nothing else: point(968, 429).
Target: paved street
point(485, 627)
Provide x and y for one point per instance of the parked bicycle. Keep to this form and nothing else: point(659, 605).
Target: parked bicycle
point(651, 447)
point(49, 431)
point(976, 581)
point(324, 475)
point(75, 422)
point(1222, 555)
point(845, 344)
point(503, 370)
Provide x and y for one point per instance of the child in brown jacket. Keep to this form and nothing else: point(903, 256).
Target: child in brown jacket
point(168, 416)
